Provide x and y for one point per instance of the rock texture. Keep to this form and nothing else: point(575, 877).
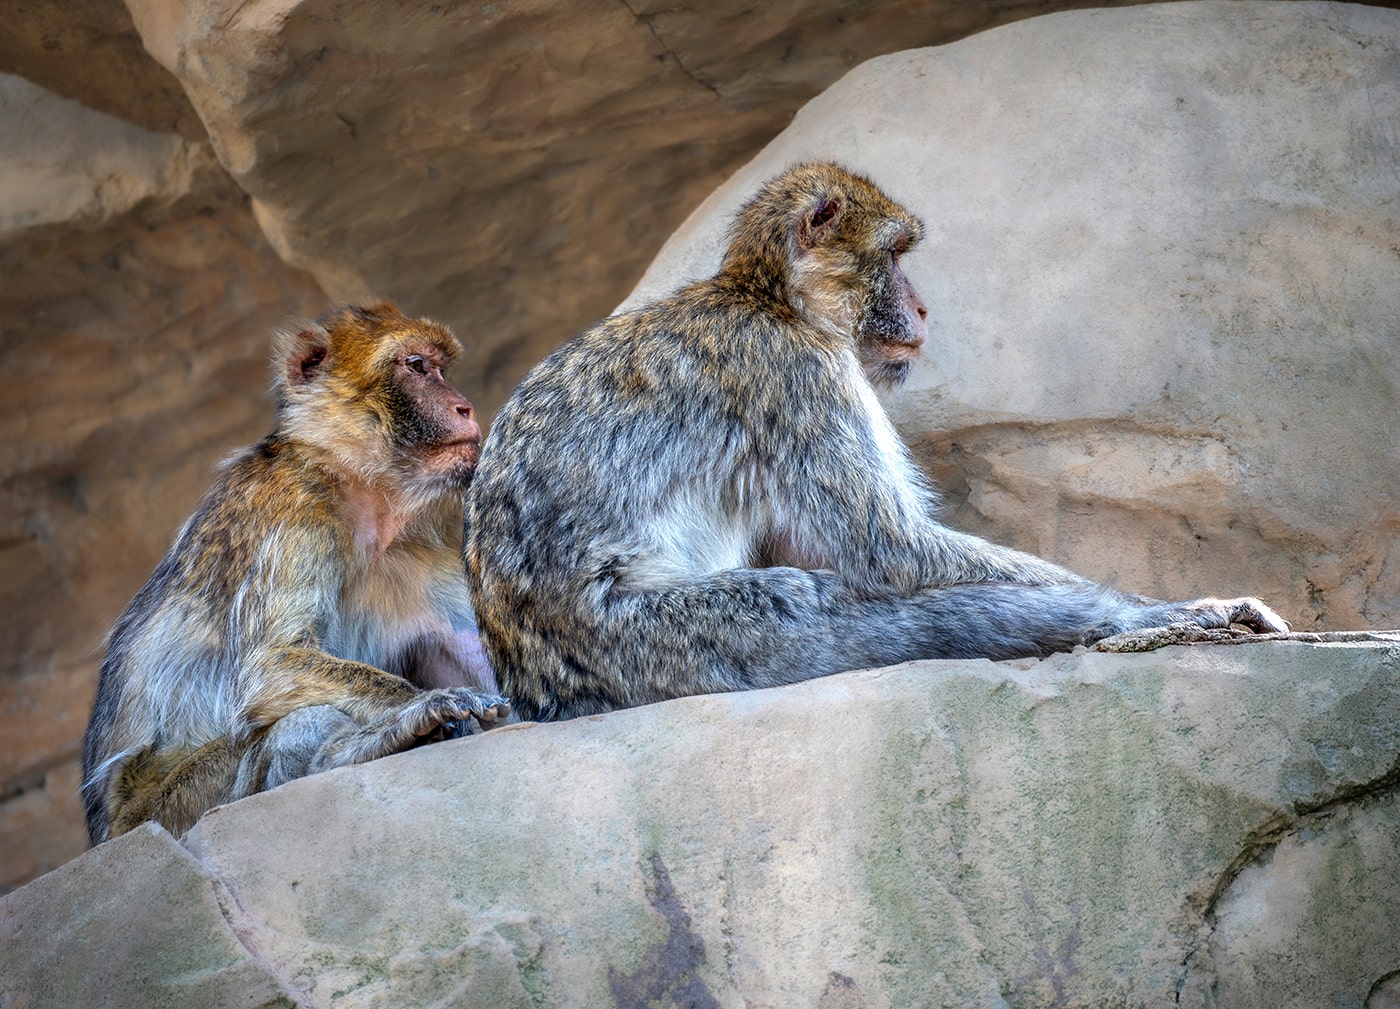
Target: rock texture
point(1161, 267)
point(1198, 826)
point(509, 168)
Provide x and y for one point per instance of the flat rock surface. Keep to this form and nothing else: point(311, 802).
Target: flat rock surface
point(1214, 825)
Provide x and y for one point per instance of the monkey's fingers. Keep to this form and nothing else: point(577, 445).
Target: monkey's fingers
point(491, 714)
point(486, 709)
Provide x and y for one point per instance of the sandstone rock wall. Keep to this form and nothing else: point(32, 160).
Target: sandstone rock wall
point(1210, 826)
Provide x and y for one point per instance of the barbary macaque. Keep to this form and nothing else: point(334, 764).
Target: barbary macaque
point(704, 494)
point(313, 612)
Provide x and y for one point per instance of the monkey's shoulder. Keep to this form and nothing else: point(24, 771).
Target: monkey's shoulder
point(682, 354)
point(271, 483)
point(260, 496)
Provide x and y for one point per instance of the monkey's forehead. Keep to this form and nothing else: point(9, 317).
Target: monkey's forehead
point(890, 222)
point(415, 336)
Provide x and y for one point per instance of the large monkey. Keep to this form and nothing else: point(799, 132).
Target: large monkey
point(704, 494)
point(313, 611)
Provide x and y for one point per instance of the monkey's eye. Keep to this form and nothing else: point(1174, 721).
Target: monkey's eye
point(416, 364)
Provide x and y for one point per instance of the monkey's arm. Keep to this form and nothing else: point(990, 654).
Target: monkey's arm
point(860, 496)
point(290, 601)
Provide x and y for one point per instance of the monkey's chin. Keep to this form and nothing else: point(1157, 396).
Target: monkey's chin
point(459, 474)
point(452, 466)
point(888, 374)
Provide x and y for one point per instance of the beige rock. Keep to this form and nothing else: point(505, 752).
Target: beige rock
point(149, 930)
point(88, 50)
point(1139, 830)
point(81, 168)
point(507, 168)
point(1161, 272)
point(1293, 923)
point(41, 819)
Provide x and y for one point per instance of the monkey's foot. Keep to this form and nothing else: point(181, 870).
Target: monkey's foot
point(1246, 612)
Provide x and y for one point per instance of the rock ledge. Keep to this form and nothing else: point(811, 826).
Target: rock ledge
point(1213, 826)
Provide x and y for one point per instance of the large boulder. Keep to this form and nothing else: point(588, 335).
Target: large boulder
point(1162, 275)
point(1200, 826)
point(508, 168)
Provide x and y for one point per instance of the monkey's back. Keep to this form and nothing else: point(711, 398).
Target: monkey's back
point(169, 676)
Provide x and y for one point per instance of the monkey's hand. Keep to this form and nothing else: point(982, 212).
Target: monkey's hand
point(475, 712)
point(1246, 611)
point(430, 717)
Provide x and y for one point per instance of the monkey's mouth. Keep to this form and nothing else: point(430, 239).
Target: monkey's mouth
point(459, 452)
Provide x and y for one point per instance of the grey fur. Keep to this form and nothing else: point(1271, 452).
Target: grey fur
point(705, 495)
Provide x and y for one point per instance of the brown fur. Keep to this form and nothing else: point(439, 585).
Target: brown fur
point(321, 571)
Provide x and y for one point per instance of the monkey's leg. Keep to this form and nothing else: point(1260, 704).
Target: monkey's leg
point(321, 737)
point(751, 628)
point(172, 789)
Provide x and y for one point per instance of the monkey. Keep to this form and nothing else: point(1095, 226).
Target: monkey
point(313, 611)
point(704, 494)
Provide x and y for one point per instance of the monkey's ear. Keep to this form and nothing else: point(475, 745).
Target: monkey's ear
point(819, 220)
point(306, 357)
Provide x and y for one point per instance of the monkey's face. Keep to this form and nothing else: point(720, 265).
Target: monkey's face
point(433, 424)
point(846, 273)
point(364, 386)
point(895, 324)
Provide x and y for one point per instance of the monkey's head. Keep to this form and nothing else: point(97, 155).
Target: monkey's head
point(830, 241)
point(363, 387)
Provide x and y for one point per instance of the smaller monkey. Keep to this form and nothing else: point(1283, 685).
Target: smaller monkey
point(313, 612)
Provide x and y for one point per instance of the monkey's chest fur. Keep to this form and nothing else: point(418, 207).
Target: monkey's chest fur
point(408, 610)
